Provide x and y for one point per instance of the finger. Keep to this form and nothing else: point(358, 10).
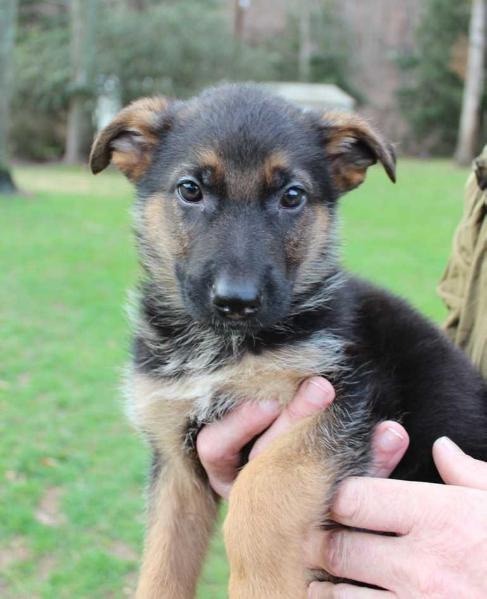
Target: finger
point(458, 468)
point(328, 590)
point(384, 505)
point(313, 395)
point(389, 444)
point(360, 556)
point(219, 443)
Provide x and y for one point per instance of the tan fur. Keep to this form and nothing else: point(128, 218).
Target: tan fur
point(267, 520)
point(164, 229)
point(156, 231)
point(141, 119)
point(161, 227)
point(306, 247)
point(182, 516)
point(314, 238)
point(208, 158)
point(132, 164)
point(275, 162)
point(181, 510)
point(349, 178)
point(343, 130)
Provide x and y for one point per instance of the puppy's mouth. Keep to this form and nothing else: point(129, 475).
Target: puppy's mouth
point(245, 325)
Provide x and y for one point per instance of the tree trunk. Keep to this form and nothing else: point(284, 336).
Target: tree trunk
point(305, 49)
point(474, 86)
point(239, 19)
point(83, 23)
point(137, 5)
point(8, 22)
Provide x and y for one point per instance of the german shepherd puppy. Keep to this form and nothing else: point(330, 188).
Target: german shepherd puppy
point(242, 298)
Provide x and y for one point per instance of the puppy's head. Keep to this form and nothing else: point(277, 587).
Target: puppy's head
point(236, 197)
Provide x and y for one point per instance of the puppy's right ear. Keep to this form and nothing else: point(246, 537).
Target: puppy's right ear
point(130, 139)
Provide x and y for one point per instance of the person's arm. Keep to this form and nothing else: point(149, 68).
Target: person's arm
point(440, 550)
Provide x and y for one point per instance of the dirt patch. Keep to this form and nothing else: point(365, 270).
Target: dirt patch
point(14, 477)
point(16, 550)
point(48, 511)
point(24, 379)
point(122, 551)
point(129, 584)
point(45, 566)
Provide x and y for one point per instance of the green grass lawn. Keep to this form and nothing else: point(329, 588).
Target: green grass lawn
point(72, 472)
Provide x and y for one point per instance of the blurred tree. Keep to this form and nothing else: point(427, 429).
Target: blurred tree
point(240, 7)
point(175, 49)
point(35, 12)
point(81, 89)
point(305, 42)
point(8, 22)
point(474, 86)
point(316, 47)
point(431, 95)
point(41, 102)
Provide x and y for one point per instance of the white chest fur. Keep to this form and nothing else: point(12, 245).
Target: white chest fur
point(273, 374)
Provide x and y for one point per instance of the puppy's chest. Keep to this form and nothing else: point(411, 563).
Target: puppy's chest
point(204, 394)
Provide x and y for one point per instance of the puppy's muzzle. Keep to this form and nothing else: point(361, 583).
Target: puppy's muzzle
point(235, 298)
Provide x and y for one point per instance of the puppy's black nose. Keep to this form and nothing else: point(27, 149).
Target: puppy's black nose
point(235, 299)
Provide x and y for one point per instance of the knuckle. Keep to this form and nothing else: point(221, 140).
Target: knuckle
point(336, 554)
point(350, 499)
point(294, 412)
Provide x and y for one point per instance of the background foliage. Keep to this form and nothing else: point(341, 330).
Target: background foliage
point(176, 48)
point(172, 48)
point(431, 96)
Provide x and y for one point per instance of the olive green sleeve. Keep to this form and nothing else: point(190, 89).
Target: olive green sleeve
point(463, 287)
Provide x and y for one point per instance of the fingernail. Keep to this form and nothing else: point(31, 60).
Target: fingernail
point(448, 445)
point(390, 440)
point(270, 406)
point(318, 391)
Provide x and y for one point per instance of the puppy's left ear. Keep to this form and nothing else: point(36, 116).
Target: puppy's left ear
point(130, 139)
point(351, 146)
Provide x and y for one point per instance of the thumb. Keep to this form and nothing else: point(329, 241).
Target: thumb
point(458, 468)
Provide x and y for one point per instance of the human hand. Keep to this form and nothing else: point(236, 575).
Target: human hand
point(441, 547)
point(219, 444)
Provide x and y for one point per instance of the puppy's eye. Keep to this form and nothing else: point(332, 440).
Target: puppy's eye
point(189, 191)
point(293, 197)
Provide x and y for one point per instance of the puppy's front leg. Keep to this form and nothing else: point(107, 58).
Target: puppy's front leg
point(279, 497)
point(182, 511)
